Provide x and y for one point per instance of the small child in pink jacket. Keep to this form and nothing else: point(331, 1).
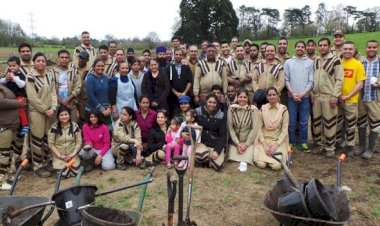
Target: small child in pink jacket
point(174, 141)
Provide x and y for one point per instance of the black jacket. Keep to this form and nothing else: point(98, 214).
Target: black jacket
point(156, 139)
point(214, 133)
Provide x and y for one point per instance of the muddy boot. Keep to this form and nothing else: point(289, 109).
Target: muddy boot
point(371, 145)
point(362, 142)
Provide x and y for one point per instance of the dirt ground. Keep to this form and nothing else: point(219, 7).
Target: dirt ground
point(229, 198)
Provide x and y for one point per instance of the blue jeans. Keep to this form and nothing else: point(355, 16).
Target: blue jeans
point(300, 110)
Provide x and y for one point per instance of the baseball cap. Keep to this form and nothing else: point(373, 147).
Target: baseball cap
point(184, 99)
point(247, 40)
point(84, 55)
point(338, 32)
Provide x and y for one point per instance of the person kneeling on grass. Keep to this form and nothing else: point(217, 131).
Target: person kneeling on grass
point(126, 142)
point(97, 148)
point(273, 134)
point(65, 141)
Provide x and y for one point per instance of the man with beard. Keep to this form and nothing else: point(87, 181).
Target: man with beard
point(208, 73)
point(354, 77)
point(112, 48)
point(328, 79)
point(169, 55)
point(299, 81)
point(369, 105)
point(263, 45)
point(26, 63)
point(192, 61)
point(67, 83)
point(269, 72)
point(234, 44)
point(183, 46)
point(226, 55)
point(247, 48)
point(119, 58)
point(310, 49)
point(85, 45)
point(103, 55)
point(130, 56)
point(282, 52)
point(181, 80)
point(238, 72)
point(161, 58)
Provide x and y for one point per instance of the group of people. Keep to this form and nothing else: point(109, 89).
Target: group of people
point(226, 102)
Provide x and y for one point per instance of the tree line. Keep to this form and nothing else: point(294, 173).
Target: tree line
point(217, 20)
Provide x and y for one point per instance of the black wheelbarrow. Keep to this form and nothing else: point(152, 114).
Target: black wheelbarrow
point(339, 200)
point(72, 202)
point(23, 210)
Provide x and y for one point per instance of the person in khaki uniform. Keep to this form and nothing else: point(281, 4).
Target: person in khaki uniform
point(85, 46)
point(126, 141)
point(354, 76)
point(337, 48)
point(208, 73)
point(328, 80)
point(243, 125)
point(9, 123)
point(273, 132)
point(40, 89)
point(282, 50)
point(83, 68)
point(67, 83)
point(26, 63)
point(238, 72)
point(269, 73)
point(65, 142)
point(369, 103)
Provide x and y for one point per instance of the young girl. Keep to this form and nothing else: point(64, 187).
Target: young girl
point(185, 133)
point(173, 141)
point(126, 142)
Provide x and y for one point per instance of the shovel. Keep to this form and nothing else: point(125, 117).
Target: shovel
point(287, 172)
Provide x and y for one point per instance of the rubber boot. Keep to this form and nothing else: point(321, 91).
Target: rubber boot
point(362, 141)
point(371, 145)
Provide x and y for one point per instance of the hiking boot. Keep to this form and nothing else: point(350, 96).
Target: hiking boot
point(330, 153)
point(305, 148)
point(121, 166)
point(43, 173)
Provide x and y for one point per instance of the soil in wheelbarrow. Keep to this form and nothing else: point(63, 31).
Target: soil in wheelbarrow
point(229, 198)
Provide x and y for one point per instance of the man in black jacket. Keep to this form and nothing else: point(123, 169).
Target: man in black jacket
point(180, 78)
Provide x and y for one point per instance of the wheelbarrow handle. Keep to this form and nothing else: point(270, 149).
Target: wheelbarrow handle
point(22, 166)
point(20, 211)
point(125, 187)
point(59, 176)
point(287, 171)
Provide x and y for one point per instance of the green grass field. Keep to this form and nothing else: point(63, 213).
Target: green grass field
point(359, 38)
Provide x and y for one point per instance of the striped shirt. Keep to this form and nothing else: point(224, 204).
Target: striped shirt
point(371, 70)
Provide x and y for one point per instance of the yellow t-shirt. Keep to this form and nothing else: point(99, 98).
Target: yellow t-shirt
point(353, 72)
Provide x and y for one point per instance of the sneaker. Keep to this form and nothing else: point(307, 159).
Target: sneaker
point(24, 130)
point(121, 166)
point(305, 148)
point(42, 172)
point(5, 186)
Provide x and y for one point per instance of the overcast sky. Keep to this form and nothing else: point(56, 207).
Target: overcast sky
point(122, 18)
